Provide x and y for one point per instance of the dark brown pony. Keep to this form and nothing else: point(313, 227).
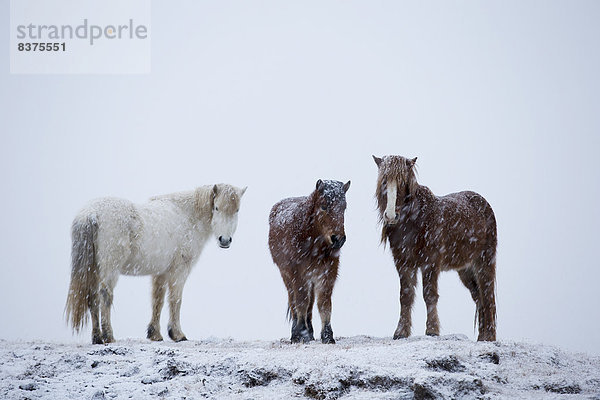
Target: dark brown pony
point(434, 234)
point(305, 238)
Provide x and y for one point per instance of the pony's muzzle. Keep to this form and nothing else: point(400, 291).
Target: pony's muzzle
point(390, 219)
point(224, 243)
point(338, 241)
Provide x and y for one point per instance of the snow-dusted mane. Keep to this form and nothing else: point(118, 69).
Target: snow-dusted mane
point(162, 238)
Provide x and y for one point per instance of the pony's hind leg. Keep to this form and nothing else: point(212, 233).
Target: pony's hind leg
point(408, 281)
point(430, 274)
point(107, 287)
point(106, 294)
point(300, 301)
point(486, 280)
point(467, 276)
point(95, 313)
point(176, 283)
point(159, 287)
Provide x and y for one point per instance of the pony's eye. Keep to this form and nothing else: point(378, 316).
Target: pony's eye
point(216, 208)
point(323, 207)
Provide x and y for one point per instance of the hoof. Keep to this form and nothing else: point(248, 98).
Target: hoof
point(328, 340)
point(176, 338)
point(327, 335)
point(301, 339)
point(402, 331)
point(301, 335)
point(108, 338)
point(153, 334)
point(400, 335)
point(432, 333)
point(97, 339)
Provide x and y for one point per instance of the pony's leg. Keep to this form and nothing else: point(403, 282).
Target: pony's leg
point(325, 289)
point(486, 280)
point(106, 292)
point(300, 299)
point(430, 274)
point(159, 287)
point(408, 281)
point(467, 276)
point(94, 306)
point(288, 278)
point(176, 282)
point(311, 302)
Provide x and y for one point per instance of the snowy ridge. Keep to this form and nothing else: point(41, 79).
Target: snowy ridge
point(355, 368)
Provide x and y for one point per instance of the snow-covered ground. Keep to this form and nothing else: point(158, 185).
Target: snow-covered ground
point(355, 368)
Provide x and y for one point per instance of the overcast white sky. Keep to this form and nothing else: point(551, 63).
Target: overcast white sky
point(498, 97)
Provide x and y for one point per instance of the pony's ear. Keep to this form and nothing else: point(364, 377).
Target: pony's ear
point(320, 186)
point(214, 191)
point(346, 186)
point(243, 191)
point(377, 160)
point(411, 163)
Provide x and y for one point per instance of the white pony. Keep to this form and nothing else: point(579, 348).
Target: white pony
point(162, 238)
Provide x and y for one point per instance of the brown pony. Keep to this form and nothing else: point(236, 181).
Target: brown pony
point(305, 238)
point(431, 233)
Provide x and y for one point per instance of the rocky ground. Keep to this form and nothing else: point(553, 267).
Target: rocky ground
point(355, 368)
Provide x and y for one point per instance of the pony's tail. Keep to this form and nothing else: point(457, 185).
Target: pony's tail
point(83, 290)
